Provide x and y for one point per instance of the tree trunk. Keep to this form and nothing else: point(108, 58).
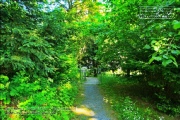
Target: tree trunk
point(128, 72)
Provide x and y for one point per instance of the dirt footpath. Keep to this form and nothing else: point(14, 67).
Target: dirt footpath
point(93, 105)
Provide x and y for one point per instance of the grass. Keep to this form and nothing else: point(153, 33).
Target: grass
point(130, 99)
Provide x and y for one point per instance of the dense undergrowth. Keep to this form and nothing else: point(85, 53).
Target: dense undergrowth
point(36, 100)
point(131, 100)
point(38, 64)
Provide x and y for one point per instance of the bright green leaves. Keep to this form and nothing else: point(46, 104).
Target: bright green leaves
point(157, 58)
point(3, 78)
point(164, 52)
point(22, 85)
point(24, 48)
point(175, 52)
point(4, 86)
point(156, 45)
point(164, 41)
point(166, 62)
point(166, 59)
point(176, 24)
point(147, 46)
point(4, 89)
point(150, 2)
point(14, 92)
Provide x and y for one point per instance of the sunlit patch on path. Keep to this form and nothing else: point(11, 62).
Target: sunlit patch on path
point(83, 111)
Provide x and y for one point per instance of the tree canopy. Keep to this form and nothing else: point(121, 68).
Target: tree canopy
point(43, 43)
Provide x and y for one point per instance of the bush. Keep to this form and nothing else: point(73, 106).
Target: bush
point(4, 88)
point(39, 100)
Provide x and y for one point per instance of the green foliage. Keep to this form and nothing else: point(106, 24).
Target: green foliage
point(123, 101)
point(108, 79)
point(21, 85)
point(128, 111)
point(3, 114)
point(40, 49)
point(167, 106)
point(176, 24)
point(22, 48)
point(55, 103)
point(111, 79)
point(149, 47)
point(37, 61)
point(4, 88)
point(48, 102)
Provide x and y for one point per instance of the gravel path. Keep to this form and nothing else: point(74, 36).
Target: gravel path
point(94, 100)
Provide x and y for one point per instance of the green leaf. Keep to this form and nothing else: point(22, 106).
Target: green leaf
point(166, 62)
point(151, 60)
point(154, 54)
point(177, 9)
point(13, 92)
point(153, 41)
point(175, 63)
point(176, 24)
point(150, 2)
point(175, 52)
point(158, 58)
point(7, 85)
point(2, 86)
point(146, 46)
point(7, 101)
point(165, 56)
point(3, 78)
point(173, 58)
point(29, 118)
point(3, 96)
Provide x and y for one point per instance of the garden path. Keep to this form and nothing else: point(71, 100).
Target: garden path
point(93, 105)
